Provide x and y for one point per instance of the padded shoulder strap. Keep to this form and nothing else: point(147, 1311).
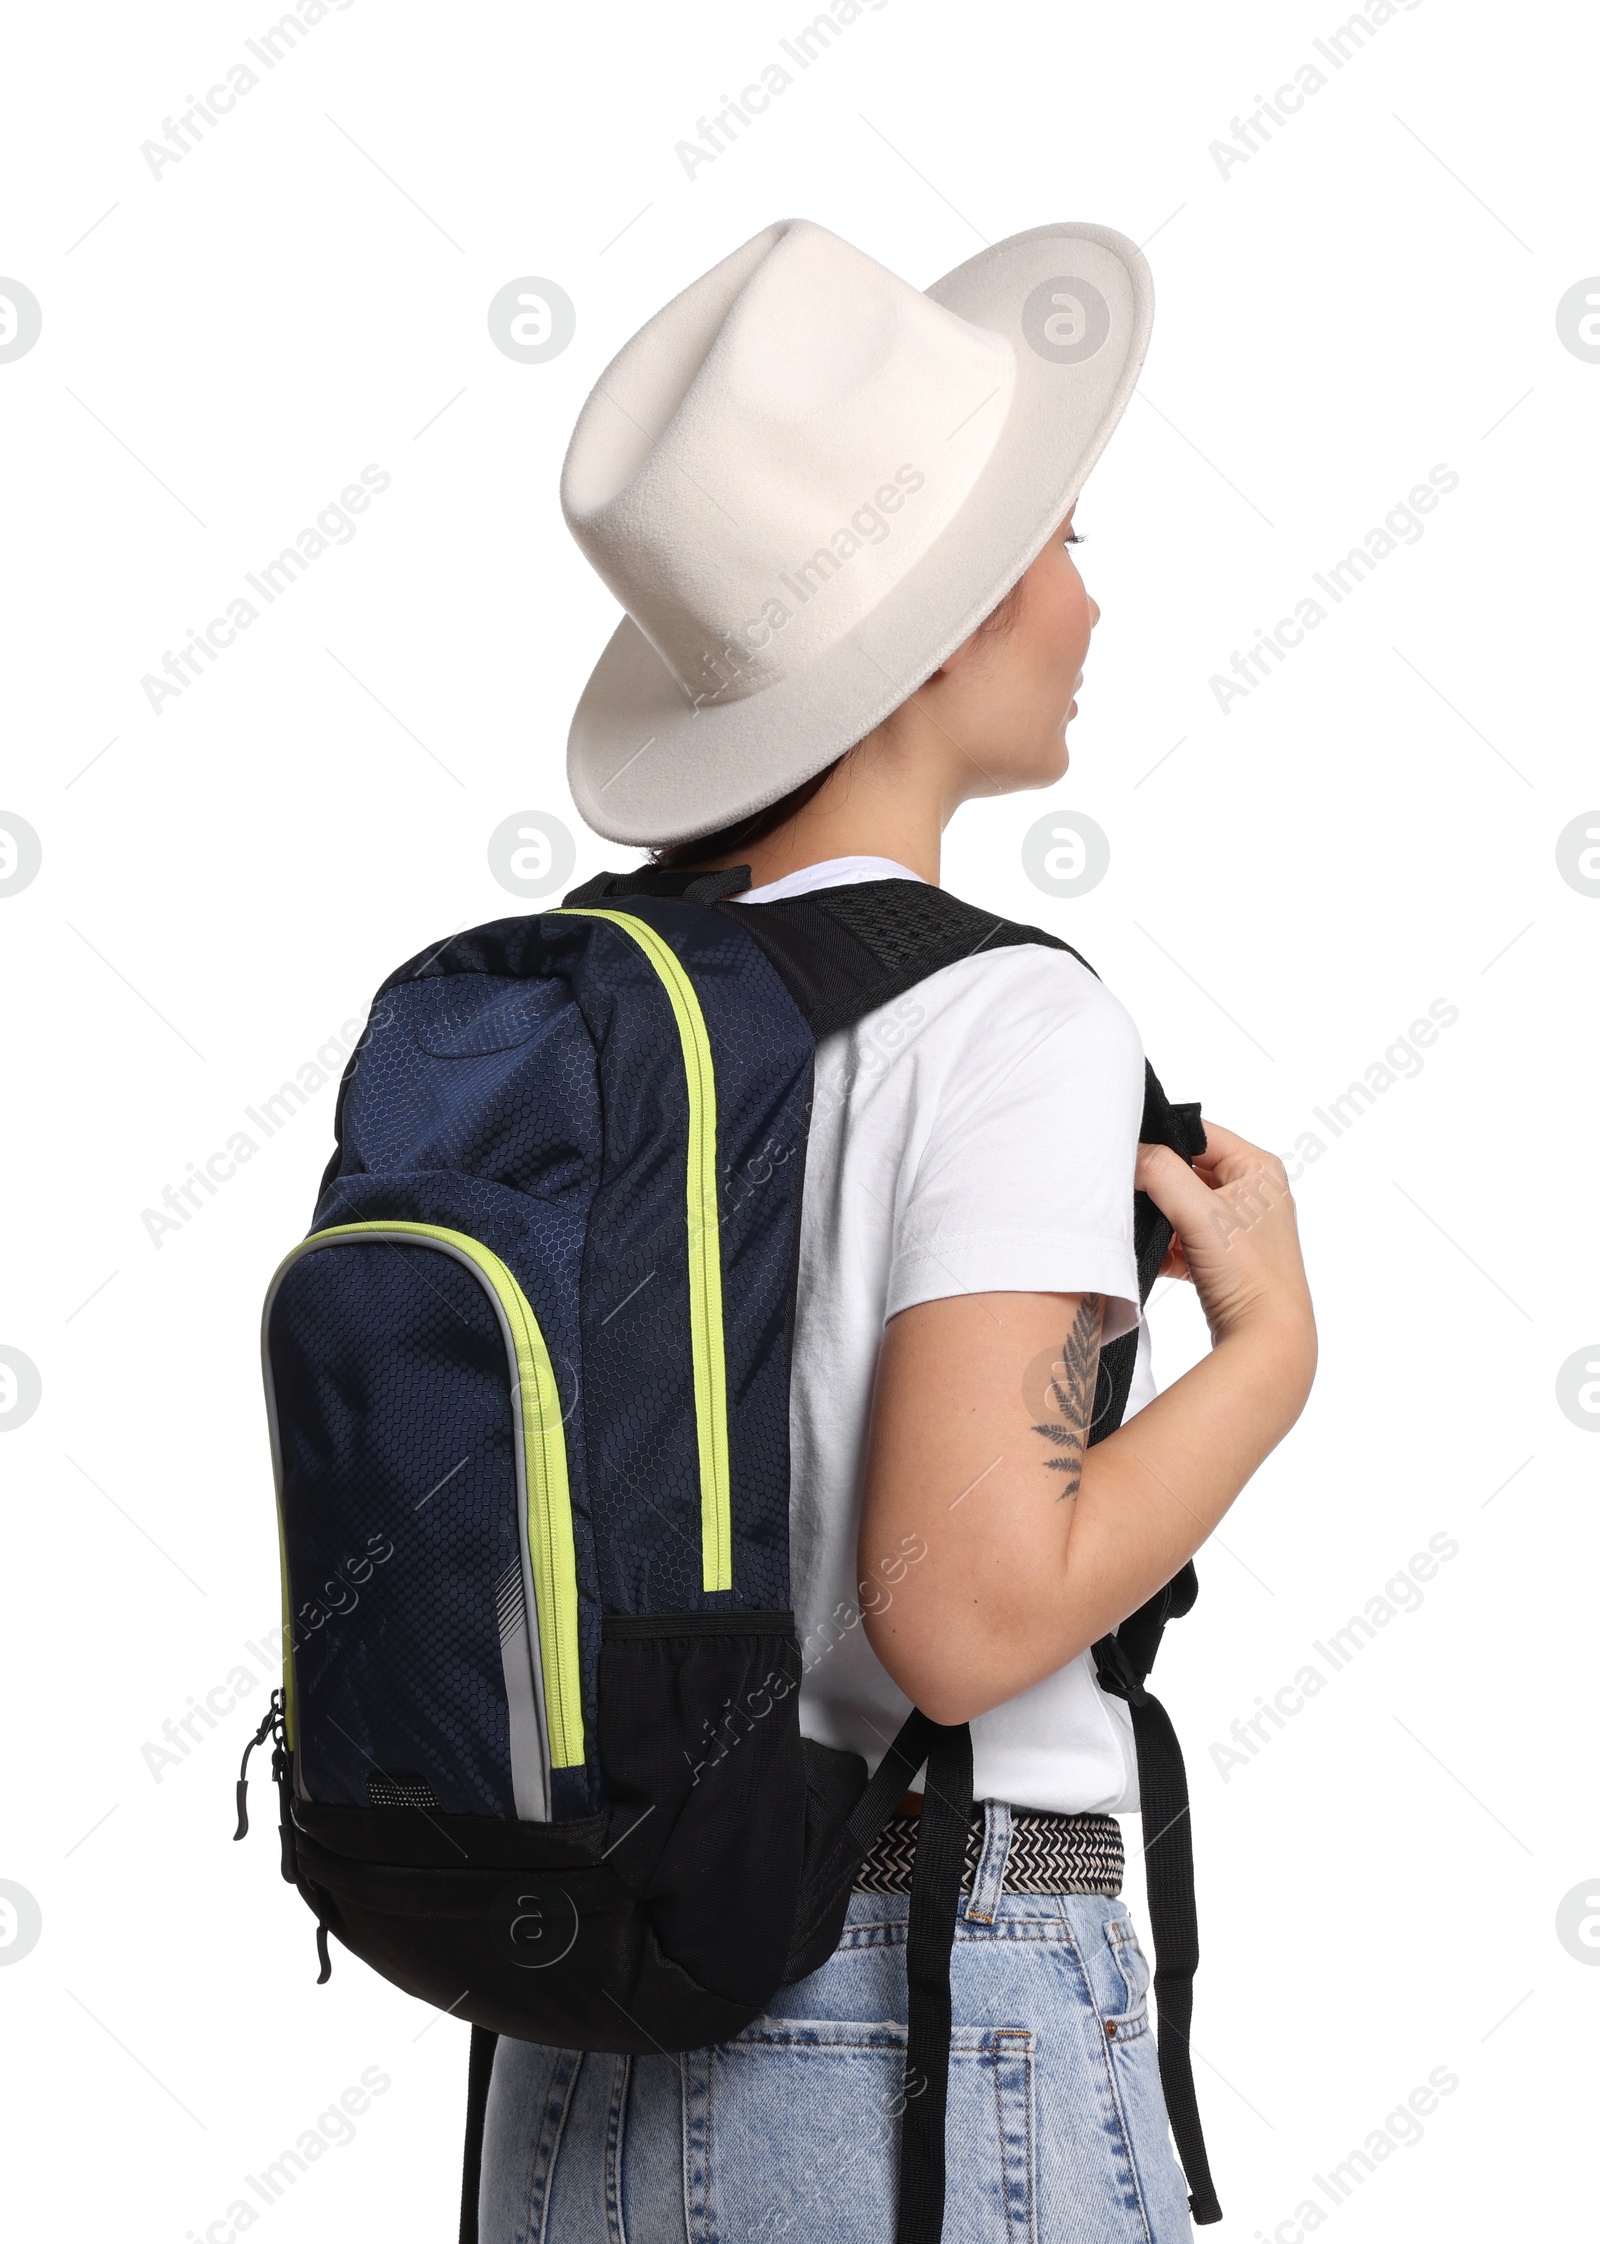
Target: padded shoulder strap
point(845, 951)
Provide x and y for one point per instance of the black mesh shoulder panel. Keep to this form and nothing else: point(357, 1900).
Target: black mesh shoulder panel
point(845, 951)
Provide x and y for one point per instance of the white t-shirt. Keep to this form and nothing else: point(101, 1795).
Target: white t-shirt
point(976, 1135)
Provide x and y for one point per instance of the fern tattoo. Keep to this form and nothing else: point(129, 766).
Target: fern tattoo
point(1072, 1395)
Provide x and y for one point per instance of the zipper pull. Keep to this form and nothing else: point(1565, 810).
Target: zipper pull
point(271, 1724)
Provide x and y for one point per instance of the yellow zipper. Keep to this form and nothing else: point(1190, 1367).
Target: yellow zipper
point(707, 1346)
point(549, 1495)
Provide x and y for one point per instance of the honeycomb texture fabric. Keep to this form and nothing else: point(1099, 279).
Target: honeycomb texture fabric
point(400, 1497)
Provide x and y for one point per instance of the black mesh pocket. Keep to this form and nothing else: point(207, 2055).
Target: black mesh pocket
point(700, 1736)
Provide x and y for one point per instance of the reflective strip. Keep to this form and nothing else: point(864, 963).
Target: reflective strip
point(283, 1579)
point(542, 1456)
point(707, 1346)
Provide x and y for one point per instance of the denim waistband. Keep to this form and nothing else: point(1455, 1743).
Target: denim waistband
point(1009, 1850)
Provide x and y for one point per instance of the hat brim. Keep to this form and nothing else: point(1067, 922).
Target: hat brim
point(648, 767)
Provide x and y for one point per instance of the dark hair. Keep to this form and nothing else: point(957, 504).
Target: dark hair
point(1003, 617)
point(675, 857)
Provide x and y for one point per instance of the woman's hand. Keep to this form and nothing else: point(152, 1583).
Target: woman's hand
point(1234, 1235)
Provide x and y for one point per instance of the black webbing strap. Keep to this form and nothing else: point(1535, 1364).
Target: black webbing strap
point(480, 2064)
point(890, 1781)
point(935, 1898)
point(1169, 1896)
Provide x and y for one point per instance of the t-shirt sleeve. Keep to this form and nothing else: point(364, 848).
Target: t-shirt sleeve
point(1024, 1180)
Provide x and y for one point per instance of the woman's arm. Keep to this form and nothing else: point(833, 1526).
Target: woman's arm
point(1036, 1543)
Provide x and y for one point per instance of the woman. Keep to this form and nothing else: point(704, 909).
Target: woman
point(966, 1245)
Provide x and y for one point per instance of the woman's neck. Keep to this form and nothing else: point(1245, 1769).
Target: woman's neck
point(795, 846)
point(880, 800)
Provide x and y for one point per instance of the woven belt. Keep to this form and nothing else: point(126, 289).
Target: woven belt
point(1048, 1854)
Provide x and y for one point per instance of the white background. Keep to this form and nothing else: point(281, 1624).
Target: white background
point(225, 883)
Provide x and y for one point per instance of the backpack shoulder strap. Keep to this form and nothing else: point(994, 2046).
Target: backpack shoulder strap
point(843, 952)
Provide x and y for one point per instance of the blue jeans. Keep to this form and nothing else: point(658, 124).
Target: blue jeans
point(1057, 2131)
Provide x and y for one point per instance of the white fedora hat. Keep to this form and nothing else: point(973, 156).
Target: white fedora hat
point(807, 483)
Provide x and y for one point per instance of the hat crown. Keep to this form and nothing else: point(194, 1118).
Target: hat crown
point(774, 451)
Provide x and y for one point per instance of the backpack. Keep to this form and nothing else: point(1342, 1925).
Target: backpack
point(537, 1745)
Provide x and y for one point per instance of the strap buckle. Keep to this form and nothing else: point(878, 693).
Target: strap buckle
point(1116, 1671)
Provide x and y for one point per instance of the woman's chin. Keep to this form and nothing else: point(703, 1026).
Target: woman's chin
point(1056, 765)
point(1039, 765)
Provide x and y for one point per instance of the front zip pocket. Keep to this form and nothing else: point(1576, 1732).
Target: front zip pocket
point(425, 1521)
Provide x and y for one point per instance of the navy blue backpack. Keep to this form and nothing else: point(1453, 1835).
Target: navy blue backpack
point(537, 1745)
